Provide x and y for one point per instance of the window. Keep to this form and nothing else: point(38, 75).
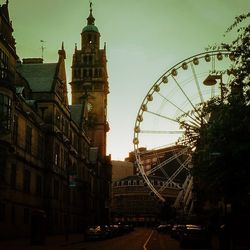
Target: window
point(15, 130)
point(75, 73)
point(4, 61)
point(98, 86)
point(28, 141)
point(62, 157)
point(26, 215)
point(40, 147)
point(90, 59)
point(57, 119)
point(39, 184)
point(13, 176)
point(2, 212)
point(100, 72)
point(57, 154)
point(89, 38)
point(56, 189)
point(13, 215)
point(66, 156)
point(63, 124)
point(85, 60)
point(70, 136)
point(75, 143)
point(90, 72)
point(5, 112)
point(96, 72)
point(66, 128)
point(26, 181)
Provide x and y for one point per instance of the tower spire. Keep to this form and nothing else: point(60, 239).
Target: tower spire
point(91, 19)
point(90, 6)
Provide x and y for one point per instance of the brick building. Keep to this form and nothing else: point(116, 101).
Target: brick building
point(54, 171)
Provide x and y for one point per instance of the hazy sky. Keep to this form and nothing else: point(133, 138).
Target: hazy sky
point(144, 38)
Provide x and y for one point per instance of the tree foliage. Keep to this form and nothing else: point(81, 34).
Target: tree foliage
point(221, 142)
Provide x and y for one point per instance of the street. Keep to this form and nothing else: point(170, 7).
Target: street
point(139, 239)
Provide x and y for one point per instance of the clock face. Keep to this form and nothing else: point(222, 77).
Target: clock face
point(89, 106)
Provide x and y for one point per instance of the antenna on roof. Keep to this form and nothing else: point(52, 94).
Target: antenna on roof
point(42, 47)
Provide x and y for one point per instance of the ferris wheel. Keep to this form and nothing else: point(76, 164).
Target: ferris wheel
point(157, 129)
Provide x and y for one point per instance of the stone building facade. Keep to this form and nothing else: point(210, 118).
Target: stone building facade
point(54, 172)
point(133, 202)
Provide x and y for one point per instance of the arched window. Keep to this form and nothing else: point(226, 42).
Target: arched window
point(90, 59)
point(90, 72)
point(89, 38)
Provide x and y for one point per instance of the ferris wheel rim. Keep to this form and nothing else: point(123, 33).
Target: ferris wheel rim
point(152, 90)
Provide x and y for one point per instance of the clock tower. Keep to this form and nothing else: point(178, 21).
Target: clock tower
point(90, 84)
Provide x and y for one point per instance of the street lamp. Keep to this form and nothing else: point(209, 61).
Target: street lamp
point(212, 80)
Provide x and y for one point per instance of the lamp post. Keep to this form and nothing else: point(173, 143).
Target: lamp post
point(212, 80)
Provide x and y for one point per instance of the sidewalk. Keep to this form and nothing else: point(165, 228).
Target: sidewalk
point(51, 242)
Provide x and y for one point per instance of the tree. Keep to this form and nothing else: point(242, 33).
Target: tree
point(221, 144)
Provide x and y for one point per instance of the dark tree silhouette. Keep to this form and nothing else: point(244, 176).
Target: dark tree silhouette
point(221, 145)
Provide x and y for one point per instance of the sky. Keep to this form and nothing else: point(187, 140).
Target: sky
point(144, 38)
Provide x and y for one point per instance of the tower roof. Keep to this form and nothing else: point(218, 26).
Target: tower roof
point(90, 21)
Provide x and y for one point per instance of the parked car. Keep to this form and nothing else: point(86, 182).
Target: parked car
point(195, 232)
point(176, 230)
point(108, 231)
point(95, 232)
point(128, 228)
point(164, 228)
point(116, 229)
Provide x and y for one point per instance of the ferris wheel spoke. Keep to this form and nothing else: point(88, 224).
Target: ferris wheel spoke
point(197, 83)
point(162, 116)
point(164, 163)
point(185, 95)
point(185, 113)
point(173, 176)
point(151, 186)
point(151, 153)
point(179, 86)
point(195, 125)
point(162, 132)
